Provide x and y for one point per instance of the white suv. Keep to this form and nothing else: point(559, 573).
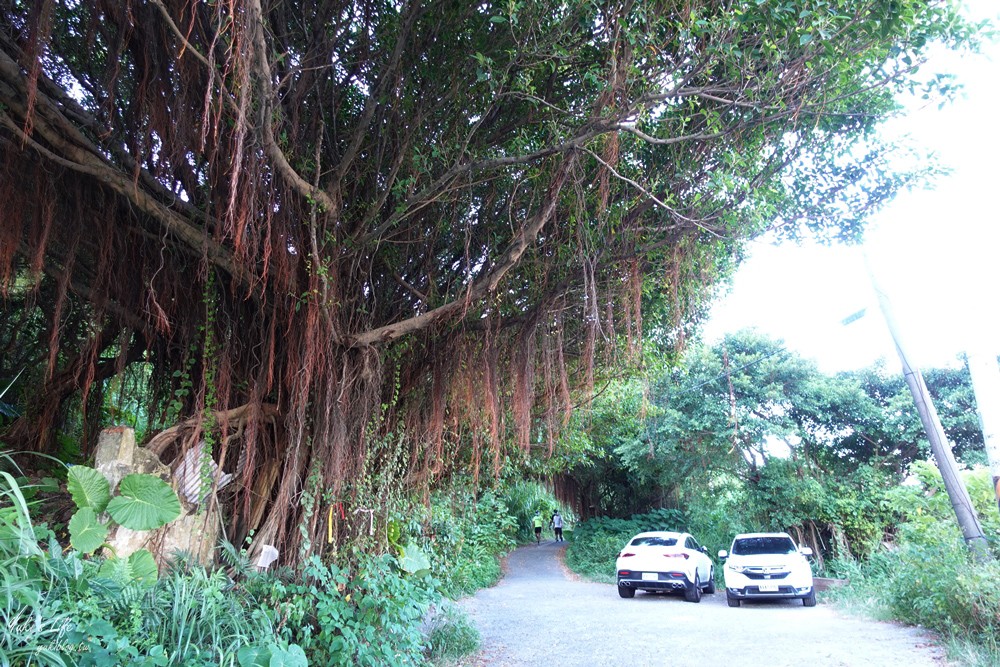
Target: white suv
point(765, 566)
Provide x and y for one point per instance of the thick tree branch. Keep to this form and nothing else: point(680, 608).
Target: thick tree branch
point(70, 149)
point(486, 283)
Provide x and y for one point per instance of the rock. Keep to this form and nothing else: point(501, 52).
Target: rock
point(115, 454)
point(825, 584)
point(195, 534)
point(148, 463)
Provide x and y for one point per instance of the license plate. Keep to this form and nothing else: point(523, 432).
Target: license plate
point(650, 576)
point(768, 588)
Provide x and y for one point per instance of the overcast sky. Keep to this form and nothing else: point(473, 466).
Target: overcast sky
point(935, 253)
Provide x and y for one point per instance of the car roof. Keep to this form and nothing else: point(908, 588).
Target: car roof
point(659, 533)
point(744, 535)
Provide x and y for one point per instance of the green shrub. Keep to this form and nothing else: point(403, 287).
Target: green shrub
point(941, 587)
point(938, 586)
point(523, 498)
point(62, 608)
point(452, 636)
point(367, 616)
point(929, 577)
point(595, 544)
point(466, 540)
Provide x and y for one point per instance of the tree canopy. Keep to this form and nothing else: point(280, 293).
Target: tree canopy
point(325, 224)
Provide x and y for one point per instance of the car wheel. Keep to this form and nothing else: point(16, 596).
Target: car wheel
point(626, 592)
point(810, 600)
point(693, 592)
point(710, 588)
point(732, 601)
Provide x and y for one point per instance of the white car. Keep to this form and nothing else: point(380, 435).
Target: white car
point(665, 561)
point(763, 566)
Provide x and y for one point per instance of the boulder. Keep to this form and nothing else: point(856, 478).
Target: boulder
point(193, 533)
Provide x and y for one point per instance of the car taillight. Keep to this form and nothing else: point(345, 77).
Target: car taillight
point(684, 556)
point(625, 555)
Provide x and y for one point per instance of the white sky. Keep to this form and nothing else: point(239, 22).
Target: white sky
point(935, 253)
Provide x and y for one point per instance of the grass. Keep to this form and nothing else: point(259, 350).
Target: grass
point(956, 598)
point(452, 636)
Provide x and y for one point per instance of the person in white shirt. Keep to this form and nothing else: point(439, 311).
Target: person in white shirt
point(557, 526)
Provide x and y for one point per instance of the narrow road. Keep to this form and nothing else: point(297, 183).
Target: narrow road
point(538, 615)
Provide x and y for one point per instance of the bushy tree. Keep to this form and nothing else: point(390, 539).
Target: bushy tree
point(324, 223)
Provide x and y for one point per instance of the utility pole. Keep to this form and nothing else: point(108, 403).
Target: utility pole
point(968, 520)
point(985, 374)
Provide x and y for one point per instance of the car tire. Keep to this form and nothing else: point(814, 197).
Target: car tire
point(626, 592)
point(732, 601)
point(810, 600)
point(710, 587)
point(693, 592)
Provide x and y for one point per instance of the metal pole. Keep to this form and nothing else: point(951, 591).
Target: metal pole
point(965, 513)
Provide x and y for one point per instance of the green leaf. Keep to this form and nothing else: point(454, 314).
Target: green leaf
point(145, 503)
point(293, 657)
point(116, 569)
point(413, 560)
point(143, 567)
point(253, 656)
point(86, 534)
point(393, 531)
point(805, 39)
point(89, 488)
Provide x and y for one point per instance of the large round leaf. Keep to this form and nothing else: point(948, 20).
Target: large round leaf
point(293, 656)
point(413, 560)
point(145, 502)
point(143, 566)
point(86, 534)
point(89, 488)
point(254, 656)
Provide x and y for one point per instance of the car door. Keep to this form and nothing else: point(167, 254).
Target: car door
point(704, 563)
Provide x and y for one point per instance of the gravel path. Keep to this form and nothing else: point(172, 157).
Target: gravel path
point(539, 615)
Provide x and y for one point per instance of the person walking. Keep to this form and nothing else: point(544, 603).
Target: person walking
point(537, 521)
point(557, 526)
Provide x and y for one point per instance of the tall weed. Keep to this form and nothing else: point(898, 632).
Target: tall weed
point(29, 614)
point(451, 636)
point(929, 577)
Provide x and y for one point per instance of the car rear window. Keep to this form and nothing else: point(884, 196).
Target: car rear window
point(753, 546)
point(654, 542)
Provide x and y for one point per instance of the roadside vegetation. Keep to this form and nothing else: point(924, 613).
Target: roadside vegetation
point(62, 607)
point(927, 576)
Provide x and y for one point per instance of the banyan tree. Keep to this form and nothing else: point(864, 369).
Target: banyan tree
point(308, 228)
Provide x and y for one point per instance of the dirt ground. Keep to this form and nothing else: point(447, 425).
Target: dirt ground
point(540, 615)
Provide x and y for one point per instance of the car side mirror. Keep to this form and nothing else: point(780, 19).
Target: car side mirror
point(704, 550)
point(806, 551)
point(723, 554)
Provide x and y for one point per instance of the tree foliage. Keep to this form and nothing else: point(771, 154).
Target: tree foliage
point(331, 221)
point(746, 435)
